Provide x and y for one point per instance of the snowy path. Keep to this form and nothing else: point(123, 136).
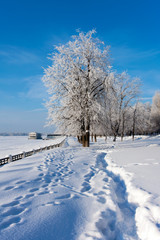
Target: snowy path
point(68, 193)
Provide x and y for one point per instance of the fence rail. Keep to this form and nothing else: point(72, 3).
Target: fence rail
point(12, 158)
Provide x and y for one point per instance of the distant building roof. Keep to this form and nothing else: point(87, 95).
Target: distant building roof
point(35, 135)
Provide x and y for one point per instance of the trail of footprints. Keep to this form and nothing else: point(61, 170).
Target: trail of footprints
point(113, 189)
point(52, 173)
point(11, 213)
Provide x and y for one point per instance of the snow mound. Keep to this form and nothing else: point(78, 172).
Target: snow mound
point(153, 145)
point(147, 214)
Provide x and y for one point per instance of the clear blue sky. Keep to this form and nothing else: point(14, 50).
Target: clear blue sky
point(29, 29)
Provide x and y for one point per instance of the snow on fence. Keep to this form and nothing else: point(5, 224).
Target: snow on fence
point(12, 158)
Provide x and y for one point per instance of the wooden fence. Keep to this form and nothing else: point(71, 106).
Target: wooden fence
point(12, 158)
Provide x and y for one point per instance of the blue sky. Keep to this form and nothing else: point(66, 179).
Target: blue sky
point(29, 30)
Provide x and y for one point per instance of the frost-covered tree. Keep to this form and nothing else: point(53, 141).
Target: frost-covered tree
point(121, 91)
point(140, 122)
point(155, 112)
point(75, 81)
point(128, 93)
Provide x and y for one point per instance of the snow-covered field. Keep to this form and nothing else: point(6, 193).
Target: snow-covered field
point(17, 144)
point(108, 191)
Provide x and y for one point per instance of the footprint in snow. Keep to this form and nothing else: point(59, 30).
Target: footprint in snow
point(45, 185)
point(8, 223)
point(107, 224)
point(41, 175)
point(85, 164)
point(27, 196)
point(86, 187)
point(47, 179)
point(99, 193)
point(53, 174)
point(33, 189)
point(43, 193)
point(20, 182)
point(9, 188)
point(101, 200)
point(105, 179)
point(11, 204)
point(18, 198)
point(89, 176)
point(13, 211)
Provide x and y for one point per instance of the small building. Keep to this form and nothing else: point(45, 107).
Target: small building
point(35, 135)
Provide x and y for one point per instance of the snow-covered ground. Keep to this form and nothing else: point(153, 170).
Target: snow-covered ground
point(17, 144)
point(108, 191)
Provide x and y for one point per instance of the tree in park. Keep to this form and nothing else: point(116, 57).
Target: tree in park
point(120, 93)
point(140, 122)
point(75, 82)
point(155, 112)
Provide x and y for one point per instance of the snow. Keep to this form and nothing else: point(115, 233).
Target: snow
point(10, 145)
point(138, 164)
point(108, 191)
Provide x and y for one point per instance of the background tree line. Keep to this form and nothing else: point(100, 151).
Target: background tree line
point(88, 98)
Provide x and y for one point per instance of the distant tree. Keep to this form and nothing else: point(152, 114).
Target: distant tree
point(75, 82)
point(140, 119)
point(121, 92)
point(146, 127)
point(155, 112)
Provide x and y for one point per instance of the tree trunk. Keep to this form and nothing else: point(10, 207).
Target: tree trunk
point(133, 133)
point(84, 140)
point(87, 136)
point(134, 124)
point(95, 138)
point(122, 133)
point(114, 139)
